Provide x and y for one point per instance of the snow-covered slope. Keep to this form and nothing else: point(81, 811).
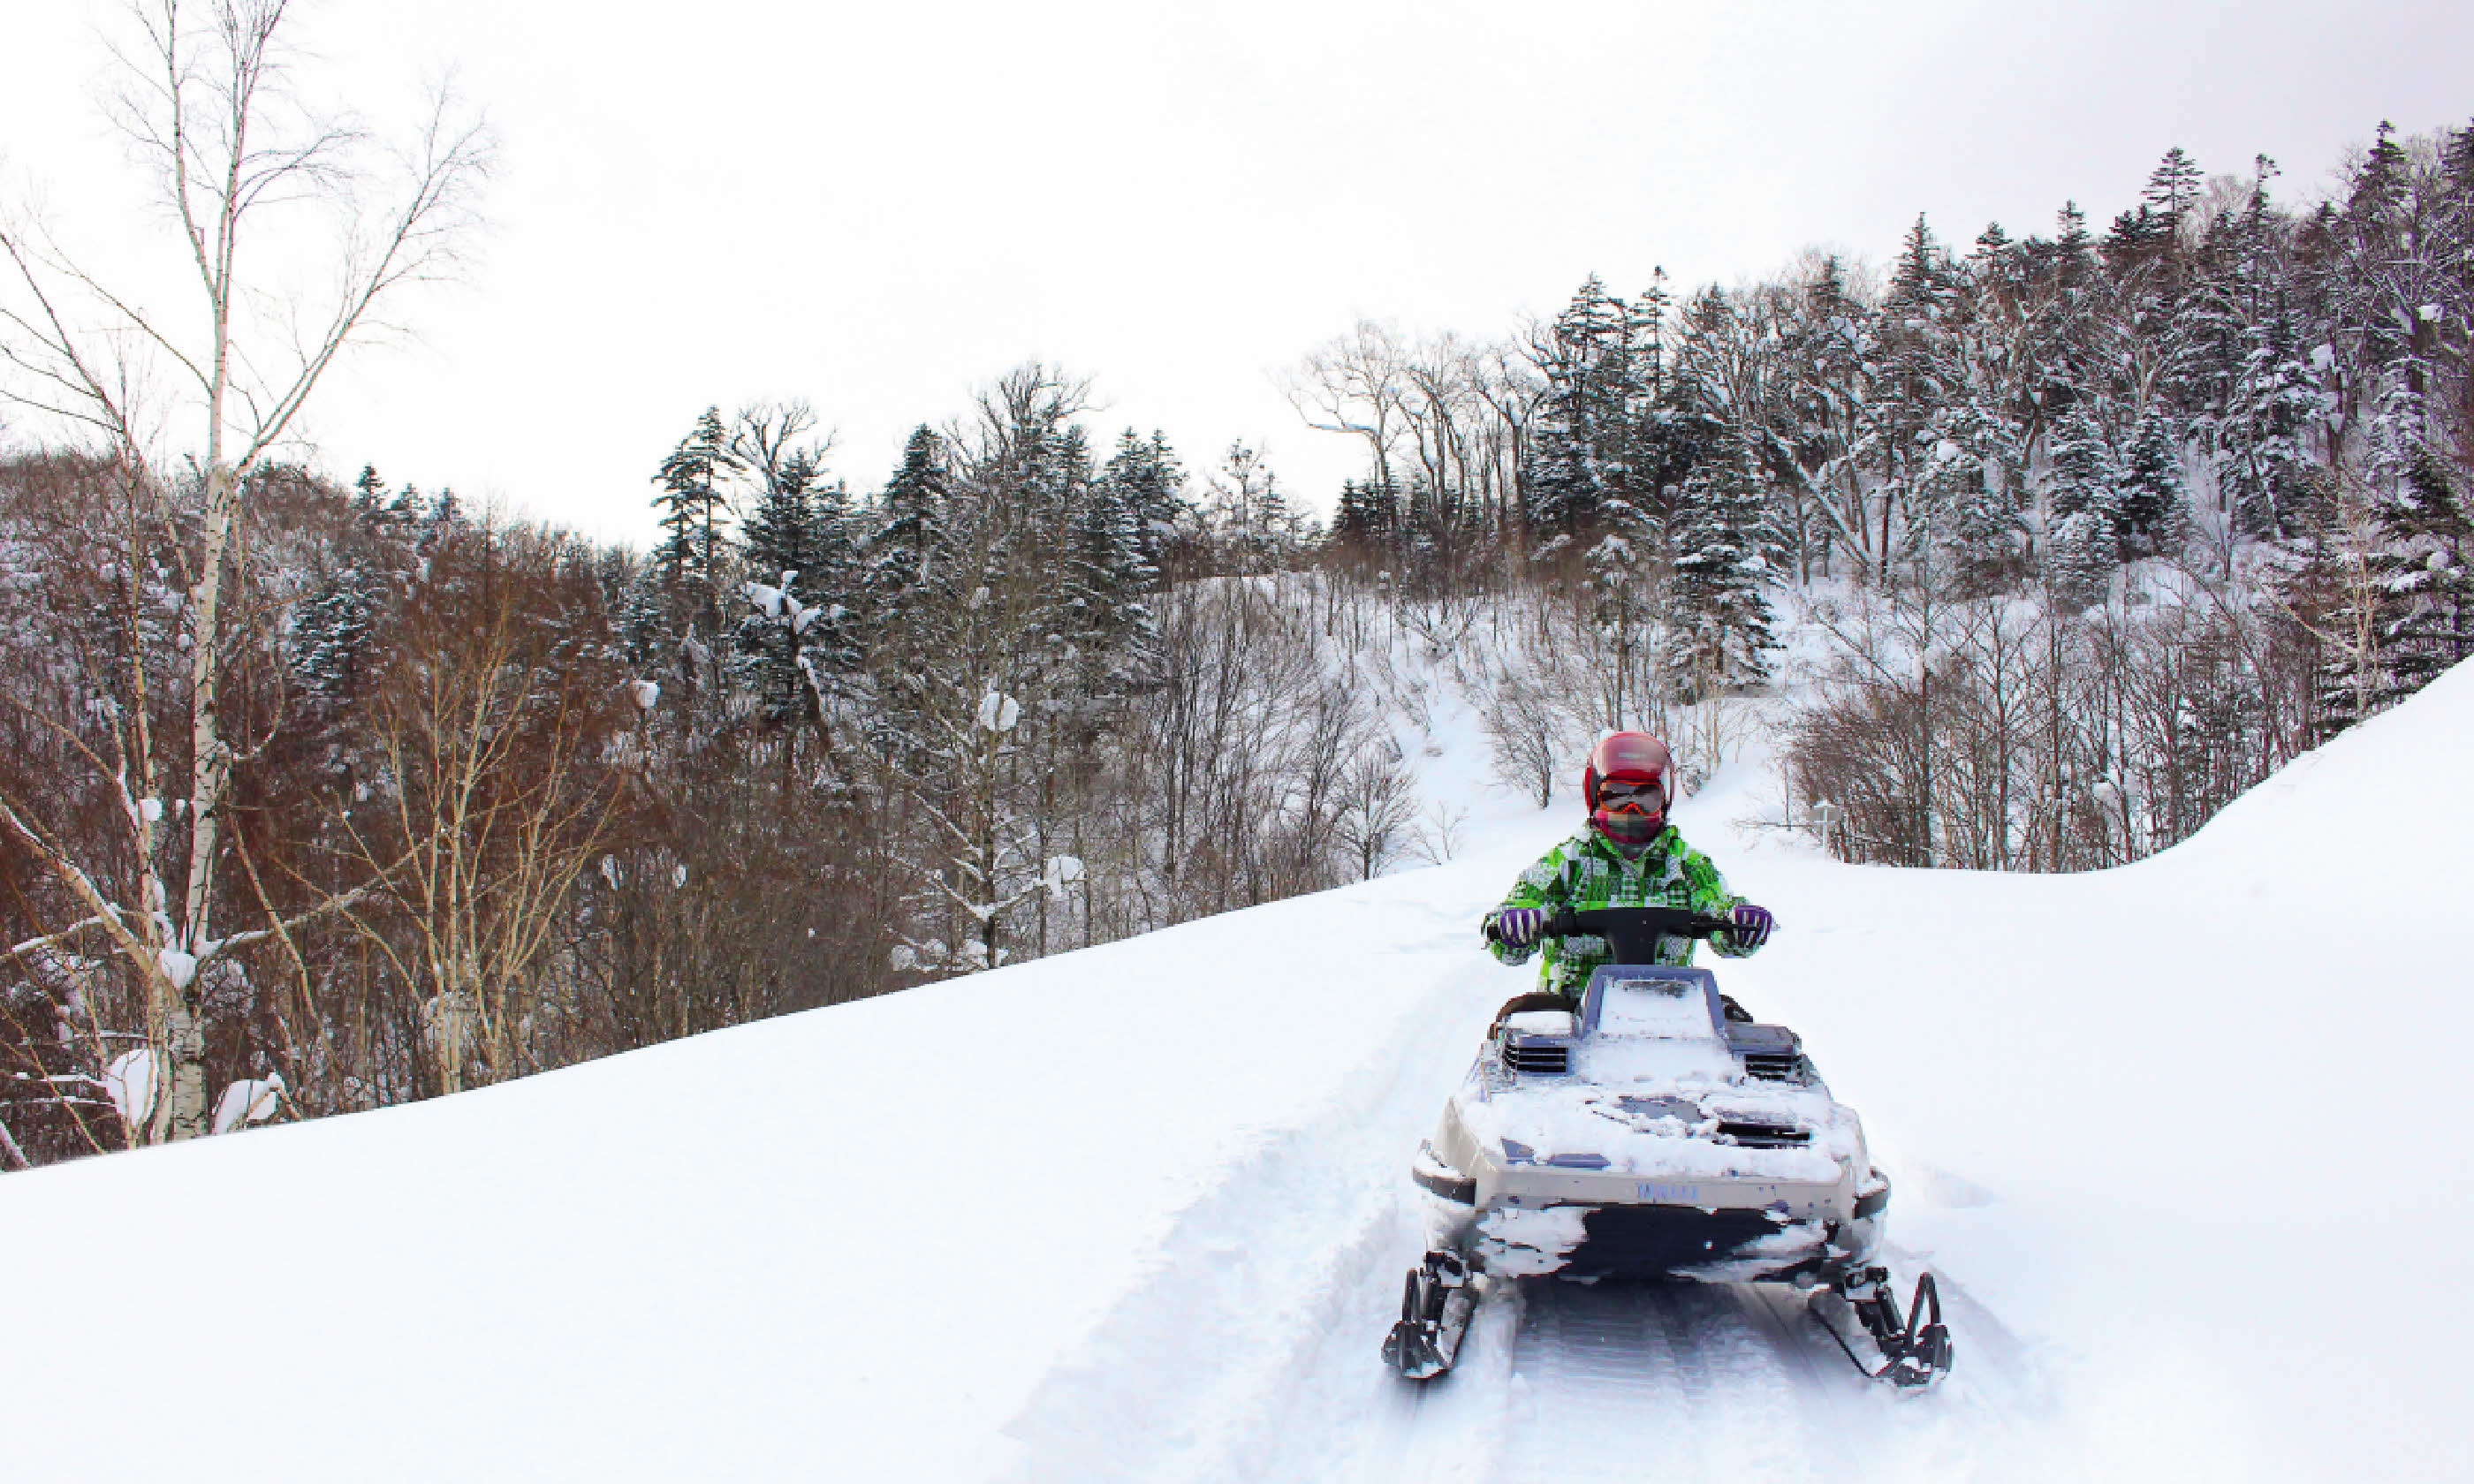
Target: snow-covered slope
point(2185, 1138)
point(2193, 1128)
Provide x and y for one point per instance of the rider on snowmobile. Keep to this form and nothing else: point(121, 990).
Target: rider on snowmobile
point(1628, 857)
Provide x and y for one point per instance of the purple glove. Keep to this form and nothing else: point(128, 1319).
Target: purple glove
point(1517, 926)
point(1752, 926)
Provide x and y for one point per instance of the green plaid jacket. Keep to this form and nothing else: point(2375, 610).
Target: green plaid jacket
point(1587, 871)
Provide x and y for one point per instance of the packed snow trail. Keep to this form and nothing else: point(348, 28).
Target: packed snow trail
point(2184, 1141)
point(1653, 1379)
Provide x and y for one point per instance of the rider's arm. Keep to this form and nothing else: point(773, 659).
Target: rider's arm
point(1542, 885)
point(1711, 897)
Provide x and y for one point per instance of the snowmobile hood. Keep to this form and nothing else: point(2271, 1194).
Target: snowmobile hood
point(1649, 1079)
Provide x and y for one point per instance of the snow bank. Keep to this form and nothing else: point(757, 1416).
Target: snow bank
point(2194, 1129)
point(683, 1263)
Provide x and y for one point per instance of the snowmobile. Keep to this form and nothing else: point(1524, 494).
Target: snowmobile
point(1654, 1132)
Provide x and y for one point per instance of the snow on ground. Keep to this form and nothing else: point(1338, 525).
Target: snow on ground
point(2185, 1140)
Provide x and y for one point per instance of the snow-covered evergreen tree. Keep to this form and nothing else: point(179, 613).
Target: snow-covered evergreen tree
point(1581, 446)
point(1126, 525)
point(2239, 364)
point(1369, 518)
point(1725, 554)
point(2148, 493)
point(1918, 374)
point(329, 637)
point(2426, 574)
point(798, 636)
point(2084, 499)
point(909, 514)
point(1968, 507)
point(1147, 482)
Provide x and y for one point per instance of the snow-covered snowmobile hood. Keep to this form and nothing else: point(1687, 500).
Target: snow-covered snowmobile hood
point(1649, 1079)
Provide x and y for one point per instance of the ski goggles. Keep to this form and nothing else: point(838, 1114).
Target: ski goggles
point(1616, 795)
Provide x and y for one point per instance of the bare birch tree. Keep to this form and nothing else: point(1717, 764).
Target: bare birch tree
point(209, 103)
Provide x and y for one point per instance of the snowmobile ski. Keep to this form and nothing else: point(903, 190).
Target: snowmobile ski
point(1435, 1307)
point(1915, 1349)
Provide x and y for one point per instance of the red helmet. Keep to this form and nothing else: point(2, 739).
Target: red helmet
point(1633, 813)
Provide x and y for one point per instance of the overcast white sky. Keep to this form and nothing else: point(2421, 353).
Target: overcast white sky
point(880, 207)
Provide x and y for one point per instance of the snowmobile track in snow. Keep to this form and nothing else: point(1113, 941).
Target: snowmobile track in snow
point(1660, 1381)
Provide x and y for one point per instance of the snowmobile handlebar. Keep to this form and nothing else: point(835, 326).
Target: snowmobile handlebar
point(1632, 932)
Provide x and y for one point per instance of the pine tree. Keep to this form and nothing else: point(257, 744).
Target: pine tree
point(2427, 573)
point(1116, 566)
point(2149, 496)
point(2380, 183)
point(785, 531)
point(1726, 553)
point(2136, 238)
point(1919, 374)
point(1969, 510)
point(2456, 215)
point(642, 617)
point(1825, 340)
point(910, 516)
point(1582, 443)
point(444, 513)
point(2082, 473)
point(1145, 478)
point(692, 503)
point(2172, 187)
point(2084, 496)
point(2062, 324)
point(2236, 367)
point(2275, 397)
point(1367, 519)
point(2074, 251)
point(992, 688)
point(1685, 420)
point(328, 638)
point(796, 547)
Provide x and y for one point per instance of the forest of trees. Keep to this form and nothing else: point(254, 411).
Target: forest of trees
point(504, 799)
point(2092, 529)
point(321, 797)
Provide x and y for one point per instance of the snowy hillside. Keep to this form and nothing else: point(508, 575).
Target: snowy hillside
point(2179, 1137)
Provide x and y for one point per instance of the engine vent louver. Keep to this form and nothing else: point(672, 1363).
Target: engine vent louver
point(1765, 1135)
point(1775, 1065)
point(1545, 1060)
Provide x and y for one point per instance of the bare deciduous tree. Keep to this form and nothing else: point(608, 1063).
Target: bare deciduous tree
point(209, 103)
